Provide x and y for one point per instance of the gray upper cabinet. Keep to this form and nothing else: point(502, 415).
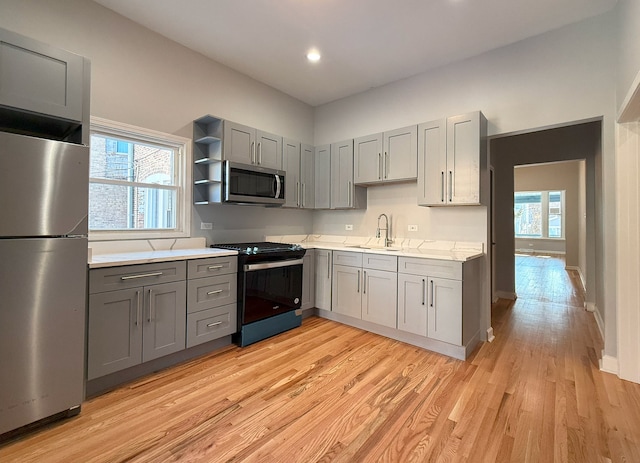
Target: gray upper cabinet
point(298, 162)
point(386, 157)
point(36, 77)
point(307, 177)
point(400, 156)
point(291, 165)
point(368, 159)
point(322, 177)
point(452, 154)
point(344, 194)
point(247, 145)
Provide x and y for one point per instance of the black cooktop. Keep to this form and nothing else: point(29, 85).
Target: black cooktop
point(263, 247)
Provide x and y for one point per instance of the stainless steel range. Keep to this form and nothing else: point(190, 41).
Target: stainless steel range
point(269, 289)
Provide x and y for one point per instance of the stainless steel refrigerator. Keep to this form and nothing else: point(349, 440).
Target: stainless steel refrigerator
point(43, 268)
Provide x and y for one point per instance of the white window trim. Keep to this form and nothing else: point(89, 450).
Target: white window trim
point(184, 194)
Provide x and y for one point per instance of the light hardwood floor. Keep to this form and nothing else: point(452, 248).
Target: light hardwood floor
point(328, 392)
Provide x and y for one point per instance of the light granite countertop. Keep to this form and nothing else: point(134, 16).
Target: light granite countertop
point(426, 249)
point(116, 253)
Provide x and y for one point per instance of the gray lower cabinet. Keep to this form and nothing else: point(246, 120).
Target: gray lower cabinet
point(212, 297)
point(323, 277)
point(308, 280)
point(365, 287)
point(137, 323)
point(433, 302)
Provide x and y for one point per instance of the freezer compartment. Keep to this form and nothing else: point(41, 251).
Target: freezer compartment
point(42, 328)
point(44, 188)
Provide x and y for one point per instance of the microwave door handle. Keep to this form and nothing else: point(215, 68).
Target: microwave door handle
point(277, 186)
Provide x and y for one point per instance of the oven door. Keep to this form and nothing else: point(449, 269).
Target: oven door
point(271, 288)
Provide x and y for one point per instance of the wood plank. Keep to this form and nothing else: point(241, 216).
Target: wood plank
point(331, 393)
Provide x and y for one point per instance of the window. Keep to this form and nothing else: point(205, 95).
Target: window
point(538, 214)
point(138, 183)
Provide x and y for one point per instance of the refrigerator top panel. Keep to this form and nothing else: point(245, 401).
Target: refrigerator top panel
point(44, 187)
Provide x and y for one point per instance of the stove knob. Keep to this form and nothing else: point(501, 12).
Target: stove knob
point(255, 249)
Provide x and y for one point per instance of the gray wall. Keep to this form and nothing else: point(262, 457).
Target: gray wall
point(581, 141)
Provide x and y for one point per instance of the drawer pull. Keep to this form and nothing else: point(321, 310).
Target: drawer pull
point(217, 291)
point(214, 267)
point(141, 275)
point(209, 325)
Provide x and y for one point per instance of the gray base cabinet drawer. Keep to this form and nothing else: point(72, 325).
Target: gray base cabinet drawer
point(430, 267)
point(132, 276)
point(200, 268)
point(352, 259)
point(206, 293)
point(380, 262)
point(211, 324)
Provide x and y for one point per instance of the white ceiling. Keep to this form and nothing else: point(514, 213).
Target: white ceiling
point(364, 43)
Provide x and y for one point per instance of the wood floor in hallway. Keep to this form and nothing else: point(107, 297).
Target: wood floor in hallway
point(328, 392)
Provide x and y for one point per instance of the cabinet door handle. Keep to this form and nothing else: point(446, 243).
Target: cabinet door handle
point(386, 165)
point(433, 296)
point(253, 152)
point(329, 265)
point(349, 193)
point(442, 187)
point(424, 290)
point(141, 275)
point(209, 325)
point(138, 308)
point(215, 267)
point(450, 186)
point(152, 307)
point(259, 153)
point(364, 282)
point(358, 289)
point(379, 166)
point(217, 291)
point(298, 194)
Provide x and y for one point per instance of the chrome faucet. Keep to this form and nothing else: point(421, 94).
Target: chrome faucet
point(387, 241)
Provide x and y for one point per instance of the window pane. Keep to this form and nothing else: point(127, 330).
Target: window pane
point(130, 161)
point(121, 207)
point(555, 214)
point(527, 214)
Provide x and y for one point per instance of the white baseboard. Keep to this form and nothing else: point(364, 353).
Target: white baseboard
point(490, 336)
point(506, 295)
point(591, 307)
point(577, 269)
point(609, 364)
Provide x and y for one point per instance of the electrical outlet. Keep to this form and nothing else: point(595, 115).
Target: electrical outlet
point(348, 227)
point(413, 228)
point(206, 226)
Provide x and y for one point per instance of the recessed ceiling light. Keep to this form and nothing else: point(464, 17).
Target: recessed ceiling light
point(313, 56)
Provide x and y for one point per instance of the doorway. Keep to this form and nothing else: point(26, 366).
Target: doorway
point(575, 142)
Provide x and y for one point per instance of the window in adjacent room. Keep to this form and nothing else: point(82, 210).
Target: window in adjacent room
point(138, 183)
point(539, 214)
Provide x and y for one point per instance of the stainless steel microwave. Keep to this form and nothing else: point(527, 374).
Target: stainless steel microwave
point(248, 184)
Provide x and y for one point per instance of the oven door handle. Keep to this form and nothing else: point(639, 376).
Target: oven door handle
point(267, 265)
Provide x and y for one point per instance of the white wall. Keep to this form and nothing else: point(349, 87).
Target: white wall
point(562, 76)
point(629, 51)
point(140, 78)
